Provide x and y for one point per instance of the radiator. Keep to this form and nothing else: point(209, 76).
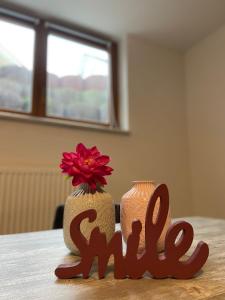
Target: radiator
point(29, 197)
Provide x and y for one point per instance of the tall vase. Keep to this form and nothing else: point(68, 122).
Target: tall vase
point(134, 206)
point(81, 200)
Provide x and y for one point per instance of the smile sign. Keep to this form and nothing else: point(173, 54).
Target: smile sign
point(131, 265)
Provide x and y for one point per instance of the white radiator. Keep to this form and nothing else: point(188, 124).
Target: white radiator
point(29, 197)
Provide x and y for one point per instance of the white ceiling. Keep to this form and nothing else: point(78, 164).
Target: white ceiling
point(174, 23)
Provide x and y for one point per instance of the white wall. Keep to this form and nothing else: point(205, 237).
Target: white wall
point(205, 87)
point(156, 147)
point(158, 118)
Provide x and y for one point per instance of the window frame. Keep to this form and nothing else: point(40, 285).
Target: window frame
point(43, 26)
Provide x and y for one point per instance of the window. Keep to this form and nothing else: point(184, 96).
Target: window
point(78, 81)
point(53, 70)
point(16, 66)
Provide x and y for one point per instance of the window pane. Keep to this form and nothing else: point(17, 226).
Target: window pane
point(16, 66)
point(78, 81)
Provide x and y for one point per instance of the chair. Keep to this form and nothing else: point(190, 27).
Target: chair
point(58, 219)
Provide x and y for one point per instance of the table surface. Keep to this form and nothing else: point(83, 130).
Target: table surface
point(28, 261)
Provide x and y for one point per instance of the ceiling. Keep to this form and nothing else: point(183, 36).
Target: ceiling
point(173, 23)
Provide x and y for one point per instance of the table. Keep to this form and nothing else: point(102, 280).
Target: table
point(28, 260)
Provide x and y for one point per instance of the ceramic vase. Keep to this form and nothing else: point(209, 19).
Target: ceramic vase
point(134, 205)
point(81, 200)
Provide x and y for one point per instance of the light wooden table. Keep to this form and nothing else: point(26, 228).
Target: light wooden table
point(27, 263)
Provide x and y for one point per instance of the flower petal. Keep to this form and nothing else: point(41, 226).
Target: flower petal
point(94, 151)
point(77, 180)
point(92, 185)
point(101, 180)
point(81, 149)
point(102, 160)
point(66, 155)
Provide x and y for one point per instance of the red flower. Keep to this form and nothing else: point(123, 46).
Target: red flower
point(86, 166)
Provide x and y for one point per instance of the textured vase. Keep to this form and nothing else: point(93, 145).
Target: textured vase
point(134, 206)
point(80, 201)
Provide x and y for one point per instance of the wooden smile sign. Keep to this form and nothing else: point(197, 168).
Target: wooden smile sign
point(166, 264)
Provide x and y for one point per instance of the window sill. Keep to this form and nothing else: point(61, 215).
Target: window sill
point(61, 123)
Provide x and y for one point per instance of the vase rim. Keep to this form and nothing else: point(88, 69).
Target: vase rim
point(143, 181)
